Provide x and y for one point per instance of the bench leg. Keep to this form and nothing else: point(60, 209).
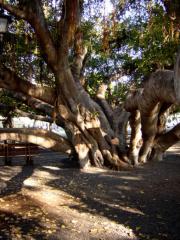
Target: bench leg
point(7, 161)
point(7, 158)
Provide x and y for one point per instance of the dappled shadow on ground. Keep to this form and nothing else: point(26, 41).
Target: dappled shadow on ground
point(146, 199)
point(15, 183)
point(14, 226)
point(22, 218)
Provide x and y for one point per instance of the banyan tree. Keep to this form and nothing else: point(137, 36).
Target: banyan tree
point(96, 130)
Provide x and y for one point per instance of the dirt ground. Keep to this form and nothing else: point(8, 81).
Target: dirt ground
point(51, 201)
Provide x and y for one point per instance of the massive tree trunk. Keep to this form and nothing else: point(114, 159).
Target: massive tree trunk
point(96, 133)
point(93, 135)
point(153, 104)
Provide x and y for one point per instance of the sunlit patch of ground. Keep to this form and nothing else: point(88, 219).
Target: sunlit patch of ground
point(82, 224)
point(21, 218)
point(41, 209)
point(49, 202)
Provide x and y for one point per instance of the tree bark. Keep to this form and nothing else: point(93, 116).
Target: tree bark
point(158, 90)
point(9, 80)
point(39, 137)
point(95, 136)
point(135, 144)
point(165, 141)
point(177, 77)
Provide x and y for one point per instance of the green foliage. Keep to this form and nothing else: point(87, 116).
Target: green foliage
point(133, 40)
point(141, 38)
point(151, 40)
point(119, 92)
point(7, 99)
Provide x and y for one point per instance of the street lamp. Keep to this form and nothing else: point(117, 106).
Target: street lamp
point(4, 21)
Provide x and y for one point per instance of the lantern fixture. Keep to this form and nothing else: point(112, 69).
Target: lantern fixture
point(4, 21)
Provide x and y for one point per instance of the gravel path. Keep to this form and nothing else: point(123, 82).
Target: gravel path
point(47, 201)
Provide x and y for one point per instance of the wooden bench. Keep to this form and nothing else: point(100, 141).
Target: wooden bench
point(10, 149)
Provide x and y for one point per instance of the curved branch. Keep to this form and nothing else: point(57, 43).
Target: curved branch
point(94, 107)
point(135, 123)
point(168, 139)
point(7, 109)
point(120, 120)
point(34, 103)
point(38, 22)
point(33, 116)
point(79, 57)
point(165, 141)
point(39, 137)
point(157, 90)
point(43, 108)
point(13, 10)
point(177, 77)
point(68, 25)
point(101, 100)
point(9, 80)
point(132, 99)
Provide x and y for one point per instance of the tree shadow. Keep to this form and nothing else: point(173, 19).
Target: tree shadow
point(25, 219)
point(45, 157)
point(14, 226)
point(15, 184)
point(145, 199)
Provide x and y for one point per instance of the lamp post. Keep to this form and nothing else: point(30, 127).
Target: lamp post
point(4, 21)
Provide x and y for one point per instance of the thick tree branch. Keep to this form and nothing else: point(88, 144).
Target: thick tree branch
point(159, 87)
point(45, 109)
point(165, 141)
point(21, 113)
point(37, 21)
point(177, 77)
point(168, 139)
point(132, 99)
point(40, 137)
point(9, 80)
point(13, 10)
point(162, 118)
point(69, 25)
point(120, 120)
point(157, 90)
point(101, 100)
point(135, 123)
point(33, 116)
point(79, 56)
